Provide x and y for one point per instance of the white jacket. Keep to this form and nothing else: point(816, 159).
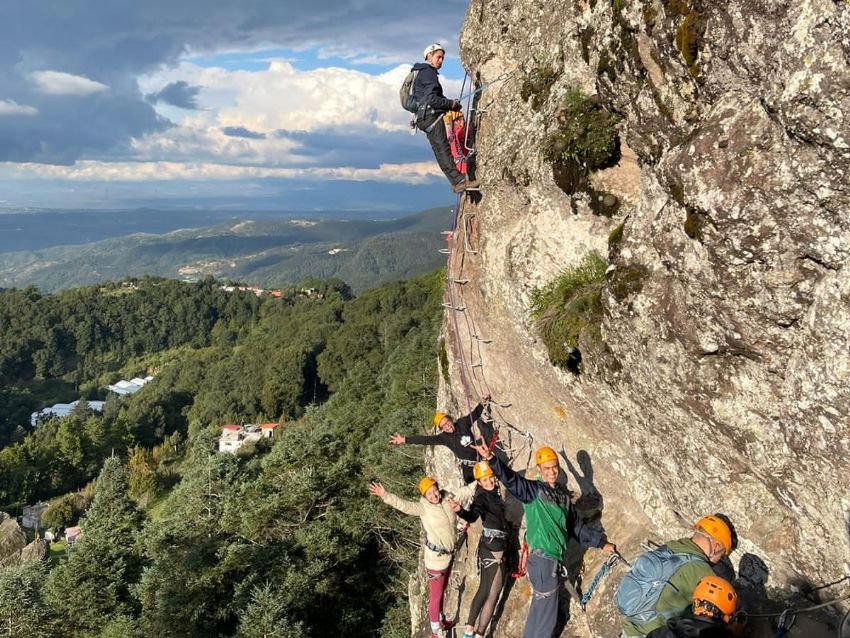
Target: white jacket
point(438, 521)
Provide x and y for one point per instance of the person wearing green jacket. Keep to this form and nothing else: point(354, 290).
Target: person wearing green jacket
point(550, 524)
point(694, 558)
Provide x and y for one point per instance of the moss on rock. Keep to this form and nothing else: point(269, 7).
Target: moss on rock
point(586, 139)
point(569, 309)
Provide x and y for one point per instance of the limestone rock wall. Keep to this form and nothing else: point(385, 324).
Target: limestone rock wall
point(722, 381)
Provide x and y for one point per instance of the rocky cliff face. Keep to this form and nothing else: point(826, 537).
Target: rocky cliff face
point(14, 549)
point(718, 376)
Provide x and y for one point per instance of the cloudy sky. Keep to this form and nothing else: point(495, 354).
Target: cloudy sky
point(266, 103)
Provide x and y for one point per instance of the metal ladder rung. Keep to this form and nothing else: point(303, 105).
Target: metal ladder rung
point(461, 281)
point(448, 233)
point(451, 307)
point(481, 339)
point(444, 251)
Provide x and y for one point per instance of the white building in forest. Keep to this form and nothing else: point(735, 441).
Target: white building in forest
point(61, 410)
point(235, 436)
point(123, 387)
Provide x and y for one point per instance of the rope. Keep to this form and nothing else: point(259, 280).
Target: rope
point(481, 87)
point(606, 567)
point(450, 286)
point(803, 610)
point(469, 381)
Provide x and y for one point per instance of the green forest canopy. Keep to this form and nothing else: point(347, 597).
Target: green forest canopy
point(278, 543)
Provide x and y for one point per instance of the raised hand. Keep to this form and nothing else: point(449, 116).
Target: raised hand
point(376, 489)
point(453, 504)
point(483, 451)
point(397, 439)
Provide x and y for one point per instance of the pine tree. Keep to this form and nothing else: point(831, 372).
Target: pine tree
point(187, 589)
point(92, 587)
point(265, 616)
point(22, 609)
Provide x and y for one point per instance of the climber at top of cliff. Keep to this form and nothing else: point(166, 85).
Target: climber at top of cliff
point(714, 604)
point(680, 564)
point(437, 511)
point(459, 436)
point(431, 105)
point(550, 523)
point(488, 505)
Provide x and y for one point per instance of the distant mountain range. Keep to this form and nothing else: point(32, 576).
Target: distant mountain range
point(363, 253)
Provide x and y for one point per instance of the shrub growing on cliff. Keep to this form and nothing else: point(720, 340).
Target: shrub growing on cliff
point(586, 139)
point(570, 306)
point(537, 85)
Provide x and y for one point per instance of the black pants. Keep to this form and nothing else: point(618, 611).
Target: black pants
point(440, 146)
point(492, 567)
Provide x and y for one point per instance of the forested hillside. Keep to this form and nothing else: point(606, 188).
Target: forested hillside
point(178, 539)
point(270, 253)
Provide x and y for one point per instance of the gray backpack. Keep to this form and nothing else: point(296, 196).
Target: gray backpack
point(640, 589)
point(405, 93)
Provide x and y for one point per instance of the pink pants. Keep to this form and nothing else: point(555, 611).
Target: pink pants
point(437, 580)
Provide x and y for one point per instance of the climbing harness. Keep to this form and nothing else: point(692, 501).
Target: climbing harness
point(606, 567)
point(440, 551)
point(488, 532)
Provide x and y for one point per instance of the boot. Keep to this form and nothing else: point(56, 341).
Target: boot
point(465, 185)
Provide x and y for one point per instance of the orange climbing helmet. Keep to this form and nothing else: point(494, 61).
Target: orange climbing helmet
point(544, 455)
point(425, 484)
point(438, 418)
point(718, 529)
point(716, 598)
point(482, 470)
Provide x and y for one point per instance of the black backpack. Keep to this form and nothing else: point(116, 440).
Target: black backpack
point(405, 93)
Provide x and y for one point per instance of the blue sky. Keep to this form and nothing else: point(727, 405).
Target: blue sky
point(114, 103)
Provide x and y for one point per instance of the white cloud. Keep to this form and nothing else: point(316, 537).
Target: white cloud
point(95, 171)
point(196, 140)
point(59, 83)
point(283, 97)
point(10, 107)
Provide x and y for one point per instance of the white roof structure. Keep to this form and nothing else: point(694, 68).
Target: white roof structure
point(124, 387)
point(61, 410)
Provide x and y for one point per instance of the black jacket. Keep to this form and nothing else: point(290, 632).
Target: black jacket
point(691, 627)
point(427, 88)
point(458, 441)
point(490, 508)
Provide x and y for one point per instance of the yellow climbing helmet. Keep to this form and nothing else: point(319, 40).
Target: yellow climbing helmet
point(717, 528)
point(438, 418)
point(715, 597)
point(425, 484)
point(544, 455)
point(482, 470)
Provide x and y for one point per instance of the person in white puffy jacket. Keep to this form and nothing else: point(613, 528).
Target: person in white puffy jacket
point(437, 510)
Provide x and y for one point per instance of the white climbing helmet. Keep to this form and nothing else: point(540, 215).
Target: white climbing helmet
point(436, 46)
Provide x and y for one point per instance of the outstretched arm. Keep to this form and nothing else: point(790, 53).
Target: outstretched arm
point(407, 507)
point(523, 489)
point(589, 535)
point(417, 439)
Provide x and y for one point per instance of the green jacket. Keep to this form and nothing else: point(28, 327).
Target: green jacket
point(549, 518)
point(676, 596)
